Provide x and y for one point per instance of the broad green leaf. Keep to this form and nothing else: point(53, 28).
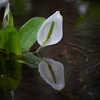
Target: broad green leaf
point(2, 40)
point(12, 40)
point(28, 32)
point(30, 59)
point(10, 73)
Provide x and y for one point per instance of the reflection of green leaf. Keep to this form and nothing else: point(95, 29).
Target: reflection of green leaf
point(12, 40)
point(30, 59)
point(2, 40)
point(28, 32)
point(10, 73)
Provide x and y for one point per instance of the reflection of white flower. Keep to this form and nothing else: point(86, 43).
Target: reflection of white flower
point(52, 72)
point(12, 94)
point(51, 30)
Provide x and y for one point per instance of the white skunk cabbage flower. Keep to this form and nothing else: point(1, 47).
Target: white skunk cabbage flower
point(52, 72)
point(7, 19)
point(51, 30)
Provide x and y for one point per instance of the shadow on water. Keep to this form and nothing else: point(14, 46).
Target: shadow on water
point(78, 51)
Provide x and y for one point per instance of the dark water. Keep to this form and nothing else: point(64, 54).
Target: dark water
point(79, 50)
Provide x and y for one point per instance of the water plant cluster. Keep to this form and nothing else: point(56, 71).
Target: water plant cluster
point(18, 42)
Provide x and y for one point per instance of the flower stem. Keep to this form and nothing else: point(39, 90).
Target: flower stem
point(39, 49)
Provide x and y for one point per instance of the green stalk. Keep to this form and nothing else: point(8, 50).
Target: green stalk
point(39, 49)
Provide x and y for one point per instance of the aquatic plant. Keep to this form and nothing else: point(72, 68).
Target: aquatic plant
point(18, 42)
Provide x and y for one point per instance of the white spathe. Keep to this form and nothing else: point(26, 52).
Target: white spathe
point(58, 70)
point(57, 32)
point(7, 10)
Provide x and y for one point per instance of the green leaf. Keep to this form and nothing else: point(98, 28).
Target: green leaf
point(30, 59)
point(28, 32)
point(12, 39)
point(2, 40)
point(10, 73)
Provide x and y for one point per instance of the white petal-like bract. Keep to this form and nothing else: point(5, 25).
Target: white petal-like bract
point(46, 74)
point(7, 10)
point(56, 34)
